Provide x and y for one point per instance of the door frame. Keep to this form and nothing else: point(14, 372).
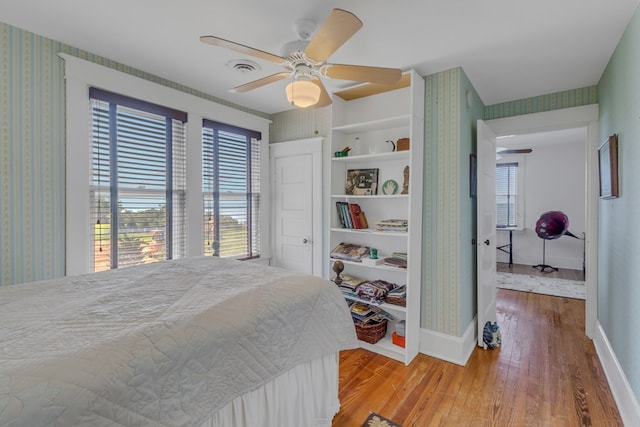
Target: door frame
point(299, 147)
point(576, 117)
point(485, 227)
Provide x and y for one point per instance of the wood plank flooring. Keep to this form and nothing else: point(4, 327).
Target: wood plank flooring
point(546, 373)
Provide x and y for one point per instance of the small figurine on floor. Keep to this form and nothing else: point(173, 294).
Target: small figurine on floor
point(491, 336)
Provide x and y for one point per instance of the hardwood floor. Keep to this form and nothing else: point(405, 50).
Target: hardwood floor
point(546, 373)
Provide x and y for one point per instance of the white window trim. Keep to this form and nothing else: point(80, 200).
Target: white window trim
point(519, 159)
point(79, 76)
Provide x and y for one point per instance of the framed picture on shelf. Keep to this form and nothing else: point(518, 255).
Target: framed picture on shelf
point(361, 182)
point(608, 162)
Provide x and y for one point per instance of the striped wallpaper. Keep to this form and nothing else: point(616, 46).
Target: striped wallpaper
point(32, 151)
point(537, 104)
point(441, 220)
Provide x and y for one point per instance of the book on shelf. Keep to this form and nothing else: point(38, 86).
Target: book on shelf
point(350, 252)
point(398, 225)
point(363, 220)
point(354, 211)
point(397, 259)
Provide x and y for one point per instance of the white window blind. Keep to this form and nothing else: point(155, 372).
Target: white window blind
point(138, 191)
point(507, 195)
point(231, 190)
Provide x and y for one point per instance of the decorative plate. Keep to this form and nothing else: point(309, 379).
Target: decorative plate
point(389, 187)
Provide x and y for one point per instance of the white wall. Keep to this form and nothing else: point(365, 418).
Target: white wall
point(554, 180)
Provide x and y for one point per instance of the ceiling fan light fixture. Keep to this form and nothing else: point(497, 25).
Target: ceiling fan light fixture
point(302, 92)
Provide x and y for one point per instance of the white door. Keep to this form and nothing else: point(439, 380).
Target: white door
point(296, 168)
point(486, 224)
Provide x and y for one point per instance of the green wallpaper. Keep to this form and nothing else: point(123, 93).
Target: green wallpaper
point(31, 157)
point(448, 275)
point(300, 123)
point(32, 151)
point(619, 232)
point(538, 104)
point(469, 115)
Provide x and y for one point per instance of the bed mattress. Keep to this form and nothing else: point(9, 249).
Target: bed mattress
point(164, 344)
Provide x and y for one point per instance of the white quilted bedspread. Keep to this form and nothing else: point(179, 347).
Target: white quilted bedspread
point(163, 344)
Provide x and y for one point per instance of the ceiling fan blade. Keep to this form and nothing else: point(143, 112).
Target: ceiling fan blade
point(360, 73)
point(325, 99)
point(334, 32)
point(217, 41)
point(515, 151)
point(260, 82)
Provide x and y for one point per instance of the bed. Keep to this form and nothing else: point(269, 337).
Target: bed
point(194, 342)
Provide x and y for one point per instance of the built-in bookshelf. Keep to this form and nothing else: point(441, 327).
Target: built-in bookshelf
point(366, 124)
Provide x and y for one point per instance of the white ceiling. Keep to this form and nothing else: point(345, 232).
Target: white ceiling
point(508, 49)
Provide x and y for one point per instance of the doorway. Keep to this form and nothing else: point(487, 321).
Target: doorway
point(297, 205)
point(586, 118)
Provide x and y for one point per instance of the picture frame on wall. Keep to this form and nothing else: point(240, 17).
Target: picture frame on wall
point(608, 167)
point(361, 182)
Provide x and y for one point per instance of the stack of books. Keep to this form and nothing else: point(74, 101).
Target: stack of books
point(397, 259)
point(392, 225)
point(365, 313)
point(349, 284)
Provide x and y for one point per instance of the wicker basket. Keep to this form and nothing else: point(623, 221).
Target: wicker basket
point(371, 332)
point(396, 301)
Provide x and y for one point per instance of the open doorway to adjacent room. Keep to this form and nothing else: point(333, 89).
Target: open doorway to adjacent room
point(537, 173)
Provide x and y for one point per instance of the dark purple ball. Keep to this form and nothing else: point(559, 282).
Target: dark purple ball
point(552, 225)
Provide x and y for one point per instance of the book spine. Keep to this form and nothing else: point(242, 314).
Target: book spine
point(363, 220)
point(340, 215)
point(353, 210)
point(347, 215)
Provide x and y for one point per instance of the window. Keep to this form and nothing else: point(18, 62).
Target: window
point(138, 188)
point(231, 190)
point(508, 196)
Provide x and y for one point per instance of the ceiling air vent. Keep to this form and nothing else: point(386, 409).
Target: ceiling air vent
point(243, 66)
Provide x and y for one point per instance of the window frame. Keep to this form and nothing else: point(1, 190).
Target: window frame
point(120, 109)
point(520, 191)
point(252, 139)
point(79, 76)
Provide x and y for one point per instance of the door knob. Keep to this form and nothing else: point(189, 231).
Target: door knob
point(487, 242)
point(305, 240)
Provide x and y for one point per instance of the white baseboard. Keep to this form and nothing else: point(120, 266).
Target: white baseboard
point(447, 347)
point(620, 388)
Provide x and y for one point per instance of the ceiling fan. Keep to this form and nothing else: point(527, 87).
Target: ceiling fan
point(306, 60)
point(514, 150)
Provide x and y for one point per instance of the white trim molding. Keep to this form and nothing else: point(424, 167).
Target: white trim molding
point(621, 390)
point(447, 347)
